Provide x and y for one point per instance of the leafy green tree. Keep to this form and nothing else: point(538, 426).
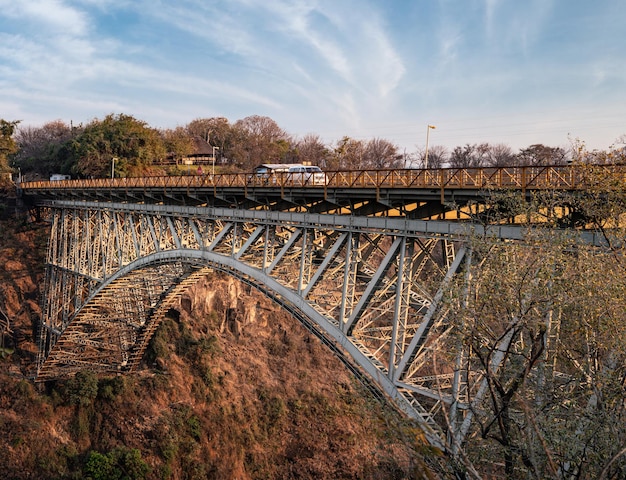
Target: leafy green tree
point(119, 141)
point(99, 467)
point(82, 389)
point(119, 464)
point(178, 142)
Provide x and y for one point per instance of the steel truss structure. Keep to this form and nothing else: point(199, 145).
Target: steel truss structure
point(372, 287)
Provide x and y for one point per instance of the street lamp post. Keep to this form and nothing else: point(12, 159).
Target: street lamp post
point(113, 167)
point(427, 137)
point(214, 148)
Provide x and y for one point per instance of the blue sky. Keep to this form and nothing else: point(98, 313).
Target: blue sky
point(517, 72)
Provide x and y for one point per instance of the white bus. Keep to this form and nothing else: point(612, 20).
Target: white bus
point(290, 173)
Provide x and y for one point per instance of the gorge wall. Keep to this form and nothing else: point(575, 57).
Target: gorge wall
point(231, 387)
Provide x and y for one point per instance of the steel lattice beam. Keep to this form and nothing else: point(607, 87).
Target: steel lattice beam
point(372, 286)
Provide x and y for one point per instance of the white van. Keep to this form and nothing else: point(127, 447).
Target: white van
point(306, 175)
point(55, 177)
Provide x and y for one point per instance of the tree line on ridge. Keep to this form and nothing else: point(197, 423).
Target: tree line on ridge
point(138, 149)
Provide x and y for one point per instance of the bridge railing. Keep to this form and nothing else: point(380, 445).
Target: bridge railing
point(563, 177)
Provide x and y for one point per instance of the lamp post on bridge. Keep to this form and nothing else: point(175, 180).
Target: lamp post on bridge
point(427, 137)
point(113, 167)
point(214, 148)
point(213, 169)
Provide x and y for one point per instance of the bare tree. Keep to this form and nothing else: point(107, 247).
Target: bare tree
point(437, 157)
point(541, 155)
point(500, 155)
point(621, 140)
point(311, 150)
point(259, 139)
point(347, 154)
point(216, 132)
point(543, 325)
point(615, 153)
point(380, 153)
point(43, 150)
point(469, 156)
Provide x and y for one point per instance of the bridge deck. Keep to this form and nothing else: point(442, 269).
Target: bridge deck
point(413, 193)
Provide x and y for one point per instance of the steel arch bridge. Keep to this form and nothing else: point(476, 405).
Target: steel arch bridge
point(352, 260)
point(372, 288)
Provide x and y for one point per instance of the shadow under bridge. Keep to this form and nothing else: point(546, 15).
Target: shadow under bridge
point(372, 288)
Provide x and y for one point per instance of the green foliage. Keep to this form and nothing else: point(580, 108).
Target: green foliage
point(133, 465)
point(99, 467)
point(119, 464)
point(186, 342)
point(111, 388)
point(165, 335)
point(273, 408)
point(178, 142)
point(178, 438)
point(168, 446)
point(130, 142)
point(195, 427)
point(209, 345)
point(80, 423)
point(199, 354)
point(59, 463)
point(82, 389)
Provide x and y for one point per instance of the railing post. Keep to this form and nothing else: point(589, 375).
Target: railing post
point(442, 186)
point(378, 185)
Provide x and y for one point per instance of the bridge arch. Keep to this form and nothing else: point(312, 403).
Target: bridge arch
point(371, 287)
point(359, 283)
point(69, 354)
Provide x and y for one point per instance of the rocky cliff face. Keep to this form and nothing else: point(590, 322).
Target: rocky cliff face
point(232, 387)
point(22, 254)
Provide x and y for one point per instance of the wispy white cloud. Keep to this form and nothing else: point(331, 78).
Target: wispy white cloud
point(335, 50)
point(490, 15)
point(338, 67)
point(51, 15)
point(525, 24)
